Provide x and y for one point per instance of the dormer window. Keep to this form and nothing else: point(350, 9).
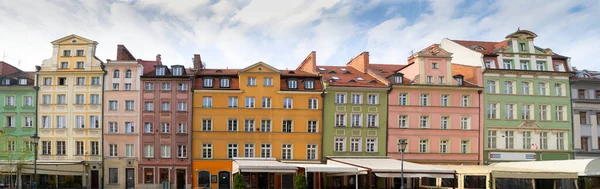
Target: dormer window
point(6, 82)
point(360, 79)
point(397, 79)
point(478, 48)
point(459, 79)
point(224, 82)
point(178, 71)
point(335, 78)
point(66, 52)
point(293, 84)
point(160, 71)
point(309, 84)
point(208, 82)
point(322, 69)
point(22, 81)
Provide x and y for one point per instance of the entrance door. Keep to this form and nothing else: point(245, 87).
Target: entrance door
point(130, 178)
point(224, 180)
point(263, 180)
point(94, 179)
point(287, 181)
point(180, 174)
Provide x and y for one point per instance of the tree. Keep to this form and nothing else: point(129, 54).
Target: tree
point(238, 181)
point(300, 182)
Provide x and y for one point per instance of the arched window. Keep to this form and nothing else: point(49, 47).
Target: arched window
point(116, 74)
point(203, 179)
point(128, 74)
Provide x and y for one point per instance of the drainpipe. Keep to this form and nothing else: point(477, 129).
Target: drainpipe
point(479, 138)
point(572, 126)
point(323, 160)
point(37, 91)
point(191, 113)
point(102, 124)
point(387, 133)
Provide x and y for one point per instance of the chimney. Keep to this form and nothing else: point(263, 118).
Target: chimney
point(360, 62)
point(197, 62)
point(158, 59)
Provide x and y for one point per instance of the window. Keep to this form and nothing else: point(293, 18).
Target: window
point(177, 71)
point(165, 106)
point(525, 88)
point(80, 81)
point(182, 128)
point(46, 121)
point(423, 147)
point(208, 82)
point(543, 140)
point(309, 84)
point(266, 102)
point(10, 101)
point(64, 65)
point(339, 144)
point(492, 113)
point(165, 151)
point(165, 127)
point(248, 150)
point(148, 150)
point(165, 86)
point(465, 100)
point(61, 148)
point(28, 121)
point(372, 120)
point(10, 121)
point(522, 47)
point(265, 150)
point(160, 71)
point(542, 89)
point(95, 80)
point(265, 125)
point(581, 93)
point(28, 101)
point(129, 105)
point(397, 79)
point(293, 84)
point(434, 65)
point(312, 126)
point(544, 112)
point(444, 120)
point(61, 99)
point(148, 176)
point(560, 113)
point(232, 125)
point(464, 146)
point(249, 125)
point(94, 121)
point(560, 141)
point(508, 87)
point(129, 150)
point(465, 123)
point(116, 74)
point(424, 122)
point(559, 67)
point(113, 105)
point(583, 118)
point(95, 148)
point(249, 102)
point(149, 86)
point(46, 147)
point(128, 86)
point(129, 127)
point(113, 150)
point(429, 79)
point(207, 150)
point(113, 175)
point(340, 98)
point(558, 90)
point(79, 52)
point(526, 112)
point(492, 139)
point(267, 81)
point(340, 120)
point(356, 99)
point(286, 126)
point(232, 102)
point(402, 99)
point(251, 81)
point(113, 127)
point(206, 124)
point(61, 122)
point(402, 121)
point(66, 52)
point(115, 87)
point(443, 146)
point(541, 66)
point(371, 145)
point(491, 86)
point(313, 103)
point(584, 144)
point(148, 106)
point(225, 83)
point(79, 151)
point(356, 120)
point(525, 65)
point(509, 140)
point(355, 145)
point(286, 151)
point(444, 100)
point(526, 139)
point(424, 99)
point(181, 106)
point(372, 99)
point(509, 111)
point(181, 151)
point(148, 127)
point(311, 152)
point(79, 99)
point(47, 81)
point(441, 79)
point(507, 64)
point(287, 103)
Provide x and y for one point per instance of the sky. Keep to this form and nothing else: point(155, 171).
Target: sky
point(238, 33)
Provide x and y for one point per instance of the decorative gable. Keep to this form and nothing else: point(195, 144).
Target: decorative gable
point(260, 67)
point(73, 40)
point(529, 124)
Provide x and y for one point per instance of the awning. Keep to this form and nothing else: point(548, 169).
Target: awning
point(583, 167)
point(508, 172)
point(261, 165)
point(55, 169)
point(387, 167)
point(328, 168)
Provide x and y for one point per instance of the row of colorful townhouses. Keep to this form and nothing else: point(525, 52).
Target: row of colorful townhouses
point(129, 122)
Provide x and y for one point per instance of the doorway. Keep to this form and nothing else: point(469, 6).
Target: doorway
point(180, 182)
point(263, 180)
point(224, 180)
point(130, 178)
point(94, 179)
point(287, 181)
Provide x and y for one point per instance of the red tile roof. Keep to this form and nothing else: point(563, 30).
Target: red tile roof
point(148, 65)
point(488, 47)
point(348, 78)
point(472, 74)
point(386, 70)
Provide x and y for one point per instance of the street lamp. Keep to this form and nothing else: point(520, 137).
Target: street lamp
point(401, 147)
point(35, 139)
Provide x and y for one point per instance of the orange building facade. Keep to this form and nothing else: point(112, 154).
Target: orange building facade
point(255, 112)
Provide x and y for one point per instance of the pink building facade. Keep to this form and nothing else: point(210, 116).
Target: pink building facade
point(165, 127)
point(436, 110)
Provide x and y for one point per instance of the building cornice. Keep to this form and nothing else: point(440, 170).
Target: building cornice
point(218, 91)
point(527, 72)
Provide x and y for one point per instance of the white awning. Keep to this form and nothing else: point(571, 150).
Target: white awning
point(263, 165)
point(328, 168)
point(387, 167)
point(508, 172)
point(583, 167)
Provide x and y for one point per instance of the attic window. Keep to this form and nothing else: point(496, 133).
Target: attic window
point(177, 71)
point(352, 81)
point(360, 79)
point(293, 84)
point(292, 72)
point(73, 41)
point(372, 81)
point(6, 82)
point(160, 71)
point(22, 81)
point(335, 77)
point(332, 72)
point(219, 71)
point(347, 72)
point(397, 79)
point(343, 69)
point(322, 69)
point(478, 48)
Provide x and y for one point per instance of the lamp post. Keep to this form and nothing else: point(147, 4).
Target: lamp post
point(401, 148)
point(36, 139)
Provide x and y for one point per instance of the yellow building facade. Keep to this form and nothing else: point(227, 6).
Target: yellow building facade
point(70, 114)
point(256, 112)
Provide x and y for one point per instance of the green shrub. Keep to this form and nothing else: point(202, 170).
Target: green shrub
point(300, 182)
point(238, 181)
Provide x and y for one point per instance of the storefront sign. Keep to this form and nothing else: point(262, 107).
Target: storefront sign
point(512, 156)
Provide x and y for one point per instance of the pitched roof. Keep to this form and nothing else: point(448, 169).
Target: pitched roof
point(348, 78)
point(7, 69)
point(386, 70)
point(148, 65)
point(488, 46)
point(471, 74)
